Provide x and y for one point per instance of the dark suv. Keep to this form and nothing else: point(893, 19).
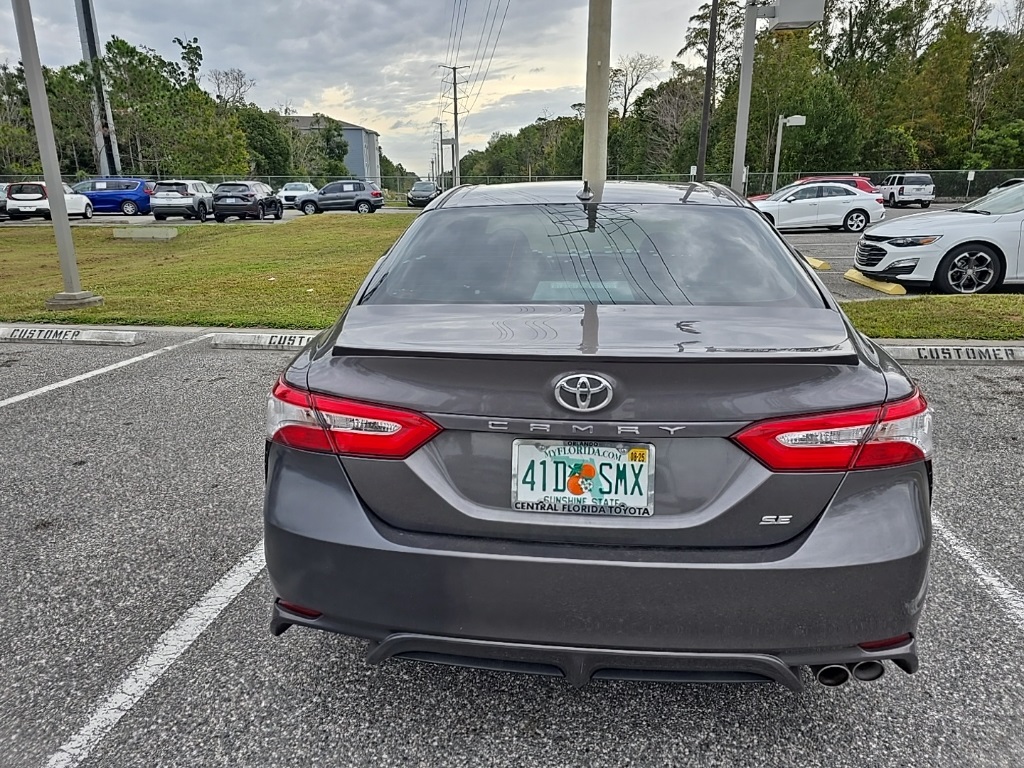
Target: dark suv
point(347, 195)
point(246, 199)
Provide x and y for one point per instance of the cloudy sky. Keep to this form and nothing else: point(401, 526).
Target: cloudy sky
point(375, 62)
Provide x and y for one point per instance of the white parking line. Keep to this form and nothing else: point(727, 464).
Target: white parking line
point(149, 667)
point(1011, 600)
point(97, 372)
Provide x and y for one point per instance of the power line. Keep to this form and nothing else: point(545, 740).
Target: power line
point(462, 28)
point(487, 44)
point(490, 61)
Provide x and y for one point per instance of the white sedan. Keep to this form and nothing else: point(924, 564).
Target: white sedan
point(827, 204)
point(971, 249)
point(30, 198)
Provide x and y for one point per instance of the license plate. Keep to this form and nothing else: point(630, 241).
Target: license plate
point(231, 200)
point(573, 477)
point(28, 210)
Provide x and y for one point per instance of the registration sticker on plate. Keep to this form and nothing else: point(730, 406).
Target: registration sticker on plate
point(583, 478)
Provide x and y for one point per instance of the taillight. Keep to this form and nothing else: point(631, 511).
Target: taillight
point(880, 200)
point(891, 642)
point(326, 424)
point(866, 438)
point(901, 190)
point(375, 193)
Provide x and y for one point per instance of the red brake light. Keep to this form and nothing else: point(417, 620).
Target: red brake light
point(326, 424)
point(866, 438)
point(880, 200)
point(376, 193)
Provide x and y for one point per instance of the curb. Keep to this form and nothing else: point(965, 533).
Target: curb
point(818, 264)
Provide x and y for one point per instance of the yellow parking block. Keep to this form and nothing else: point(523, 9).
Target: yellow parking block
point(818, 264)
point(858, 277)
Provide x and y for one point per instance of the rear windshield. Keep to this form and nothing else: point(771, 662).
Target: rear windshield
point(637, 254)
point(166, 186)
point(918, 179)
point(26, 189)
point(232, 188)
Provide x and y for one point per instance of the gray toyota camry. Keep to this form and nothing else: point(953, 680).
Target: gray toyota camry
point(626, 439)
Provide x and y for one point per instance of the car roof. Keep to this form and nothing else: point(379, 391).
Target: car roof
point(566, 192)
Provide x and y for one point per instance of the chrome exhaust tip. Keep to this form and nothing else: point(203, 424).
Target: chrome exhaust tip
point(866, 671)
point(831, 675)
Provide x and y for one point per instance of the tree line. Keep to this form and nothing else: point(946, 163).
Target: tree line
point(885, 85)
point(170, 119)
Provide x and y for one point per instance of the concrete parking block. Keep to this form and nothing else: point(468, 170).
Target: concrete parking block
point(52, 335)
point(858, 277)
point(818, 264)
point(280, 340)
point(145, 233)
point(975, 354)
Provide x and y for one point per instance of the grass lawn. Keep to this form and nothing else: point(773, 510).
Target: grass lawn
point(301, 274)
point(295, 275)
point(991, 316)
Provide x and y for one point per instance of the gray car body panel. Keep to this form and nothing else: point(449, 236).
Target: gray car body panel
point(859, 575)
point(426, 558)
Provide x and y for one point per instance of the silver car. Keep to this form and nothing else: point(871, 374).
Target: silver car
point(188, 198)
point(293, 190)
point(628, 439)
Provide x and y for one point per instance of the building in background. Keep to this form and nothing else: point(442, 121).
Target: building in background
point(363, 158)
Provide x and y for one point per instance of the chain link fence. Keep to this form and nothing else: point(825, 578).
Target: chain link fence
point(949, 185)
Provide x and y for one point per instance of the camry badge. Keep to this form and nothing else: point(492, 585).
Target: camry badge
point(583, 392)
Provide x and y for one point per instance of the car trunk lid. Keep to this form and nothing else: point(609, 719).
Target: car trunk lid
point(685, 379)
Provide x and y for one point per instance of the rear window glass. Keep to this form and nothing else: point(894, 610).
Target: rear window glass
point(637, 254)
point(26, 189)
point(232, 188)
point(918, 179)
point(164, 186)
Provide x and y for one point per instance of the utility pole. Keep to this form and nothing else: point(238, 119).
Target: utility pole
point(709, 81)
point(72, 297)
point(440, 153)
point(103, 117)
point(457, 154)
point(595, 120)
point(433, 161)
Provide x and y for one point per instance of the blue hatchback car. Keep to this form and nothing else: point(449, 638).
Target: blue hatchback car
point(118, 195)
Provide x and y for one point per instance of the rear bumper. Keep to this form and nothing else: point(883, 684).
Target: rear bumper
point(187, 209)
point(859, 576)
point(223, 209)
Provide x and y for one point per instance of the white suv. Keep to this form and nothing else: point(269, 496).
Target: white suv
point(906, 188)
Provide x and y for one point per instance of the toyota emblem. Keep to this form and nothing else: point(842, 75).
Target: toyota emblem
point(583, 392)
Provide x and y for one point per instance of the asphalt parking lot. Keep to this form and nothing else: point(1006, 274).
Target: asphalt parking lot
point(128, 494)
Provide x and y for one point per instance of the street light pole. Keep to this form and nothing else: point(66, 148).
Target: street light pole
point(72, 297)
point(783, 122)
point(709, 81)
point(785, 14)
point(739, 149)
point(595, 120)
